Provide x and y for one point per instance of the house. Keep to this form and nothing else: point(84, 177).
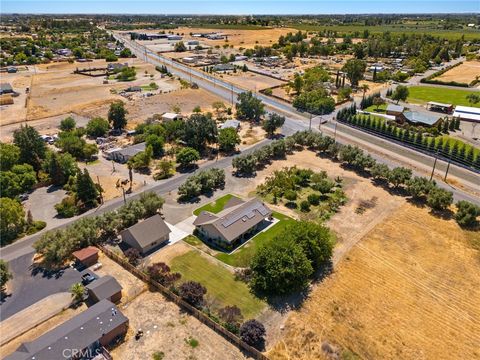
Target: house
point(174, 37)
point(235, 124)
point(394, 110)
point(467, 113)
point(83, 336)
point(440, 107)
point(189, 60)
point(193, 42)
point(107, 287)
point(223, 67)
point(171, 116)
point(6, 88)
point(417, 118)
point(122, 155)
point(116, 66)
point(236, 222)
point(147, 234)
point(87, 256)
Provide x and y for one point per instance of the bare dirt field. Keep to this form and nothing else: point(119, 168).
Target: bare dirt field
point(409, 290)
point(17, 111)
point(167, 329)
point(251, 81)
point(464, 73)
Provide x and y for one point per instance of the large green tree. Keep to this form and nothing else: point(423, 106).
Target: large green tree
point(87, 190)
point(200, 130)
point(228, 139)
point(354, 69)
point(272, 123)
point(12, 220)
point(187, 156)
point(117, 115)
point(60, 167)
point(97, 127)
point(31, 145)
point(249, 107)
point(9, 156)
point(401, 93)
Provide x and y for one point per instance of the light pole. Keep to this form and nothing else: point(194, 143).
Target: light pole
point(310, 123)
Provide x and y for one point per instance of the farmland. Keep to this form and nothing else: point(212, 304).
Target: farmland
point(463, 73)
point(415, 276)
point(424, 94)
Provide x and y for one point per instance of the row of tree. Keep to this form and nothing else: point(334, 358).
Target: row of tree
point(203, 182)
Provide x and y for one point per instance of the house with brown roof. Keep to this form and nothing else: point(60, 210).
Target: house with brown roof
point(147, 234)
point(238, 221)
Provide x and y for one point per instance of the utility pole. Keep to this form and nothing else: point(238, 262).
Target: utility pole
point(448, 167)
point(310, 124)
point(433, 169)
point(335, 133)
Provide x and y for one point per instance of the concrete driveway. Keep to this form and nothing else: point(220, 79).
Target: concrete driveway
point(187, 224)
point(41, 202)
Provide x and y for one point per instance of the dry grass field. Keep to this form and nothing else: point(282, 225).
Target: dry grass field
point(251, 81)
point(409, 290)
point(464, 73)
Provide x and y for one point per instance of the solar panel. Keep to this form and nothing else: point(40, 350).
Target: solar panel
point(248, 211)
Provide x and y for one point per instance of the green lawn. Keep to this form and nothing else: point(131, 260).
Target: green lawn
point(243, 256)
point(215, 206)
point(220, 283)
point(424, 94)
point(374, 108)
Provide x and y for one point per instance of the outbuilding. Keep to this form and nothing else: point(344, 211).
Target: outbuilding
point(171, 116)
point(418, 118)
point(467, 113)
point(147, 234)
point(394, 110)
point(440, 107)
point(6, 88)
point(106, 287)
point(87, 256)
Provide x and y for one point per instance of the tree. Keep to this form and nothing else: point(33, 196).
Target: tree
point(166, 168)
point(228, 139)
point(161, 273)
point(354, 69)
point(399, 176)
point(192, 292)
point(180, 47)
point(249, 107)
point(31, 145)
point(297, 83)
point(87, 191)
point(473, 98)
point(9, 156)
point(5, 275)
point(133, 256)
point(377, 101)
point(272, 123)
point(199, 131)
point(142, 160)
point(253, 333)
point(78, 291)
point(365, 88)
point(117, 115)
point(97, 127)
point(400, 93)
point(157, 143)
point(245, 164)
point(12, 220)
point(151, 202)
point(316, 101)
point(467, 214)
point(68, 124)
point(187, 156)
point(419, 187)
point(439, 199)
point(60, 167)
point(280, 267)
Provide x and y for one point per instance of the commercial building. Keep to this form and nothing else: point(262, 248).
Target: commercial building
point(147, 234)
point(83, 336)
point(467, 113)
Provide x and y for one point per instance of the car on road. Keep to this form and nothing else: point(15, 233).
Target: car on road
point(87, 278)
point(23, 197)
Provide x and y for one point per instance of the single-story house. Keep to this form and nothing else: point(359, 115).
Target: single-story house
point(237, 221)
point(133, 89)
point(6, 88)
point(223, 67)
point(106, 287)
point(193, 42)
point(467, 113)
point(83, 336)
point(116, 66)
point(235, 124)
point(418, 118)
point(394, 110)
point(147, 234)
point(122, 155)
point(189, 60)
point(174, 37)
point(171, 116)
point(441, 107)
point(87, 256)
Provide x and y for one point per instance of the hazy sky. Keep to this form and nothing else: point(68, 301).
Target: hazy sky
point(238, 6)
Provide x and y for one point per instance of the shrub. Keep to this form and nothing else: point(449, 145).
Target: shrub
point(304, 206)
point(313, 199)
point(467, 214)
point(192, 292)
point(290, 195)
point(133, 256)
point(439, 199)
point(67, 208)
point(253, 333)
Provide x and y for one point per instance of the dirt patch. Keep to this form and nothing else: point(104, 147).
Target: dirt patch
point(167, 329)
point(463, 73)
point(250, 135)
point(168, 253)
point(251, 81)
point(409, 290)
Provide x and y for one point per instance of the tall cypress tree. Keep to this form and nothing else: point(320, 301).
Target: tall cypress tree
point(87, 191)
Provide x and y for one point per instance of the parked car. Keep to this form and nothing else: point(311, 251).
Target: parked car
point(23, 197)
point(87, 278)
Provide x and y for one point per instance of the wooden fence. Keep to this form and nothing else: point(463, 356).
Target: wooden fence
point(219, 329)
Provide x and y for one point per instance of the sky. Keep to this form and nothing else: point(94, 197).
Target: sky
point(238, 7)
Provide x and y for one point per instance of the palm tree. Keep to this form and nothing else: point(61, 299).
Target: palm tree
point(365, 88)
point(77, 291)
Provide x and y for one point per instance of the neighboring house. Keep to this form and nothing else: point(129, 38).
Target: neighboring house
point(223, 67)
point(394, 110)
point(467, 113)
point(106, 287)
point(6, 88)
point(171, 116)
point(83, 336)
point(417, 118)
point(116, 66)
point(87, 256)
point(235, 124)
point(122, 155)
point(174, 37)
point(440, 107)
point(236, 222)
point(147, 234)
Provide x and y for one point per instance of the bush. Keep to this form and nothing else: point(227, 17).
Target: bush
point(467, 213)
point(67, 208)
point(187, 156)
point(133, 256)
point(304, 206)
point(97, 127)
point(203, 182)
point(192, 292)
point(253, 333)
point(439, 199)
point(313, 199)
point(290, 195)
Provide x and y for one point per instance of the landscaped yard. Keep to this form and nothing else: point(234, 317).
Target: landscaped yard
point(374, 108)
point(424, 94)
point(242, 256)
point(219, 281)
point(215, 206)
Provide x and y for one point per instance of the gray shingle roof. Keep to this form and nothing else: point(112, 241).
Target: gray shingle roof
point(104, 287)
point(149, 230)
point(395, 108)
point(132, 150)
point(76, 333)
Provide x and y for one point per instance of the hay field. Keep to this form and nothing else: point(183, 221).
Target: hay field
point(409, 290)
point(464, 73)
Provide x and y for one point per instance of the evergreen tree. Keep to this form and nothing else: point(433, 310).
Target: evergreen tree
point(451, 125)
point(87, 191)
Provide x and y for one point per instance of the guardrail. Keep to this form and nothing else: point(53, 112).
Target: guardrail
point(219, 329)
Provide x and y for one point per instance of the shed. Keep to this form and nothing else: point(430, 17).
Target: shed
point(107, 287)
point(235, 124)
point(394, 110)
point(171, 116)
point(87, 256)
point(147, 234)
point(6, 88)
